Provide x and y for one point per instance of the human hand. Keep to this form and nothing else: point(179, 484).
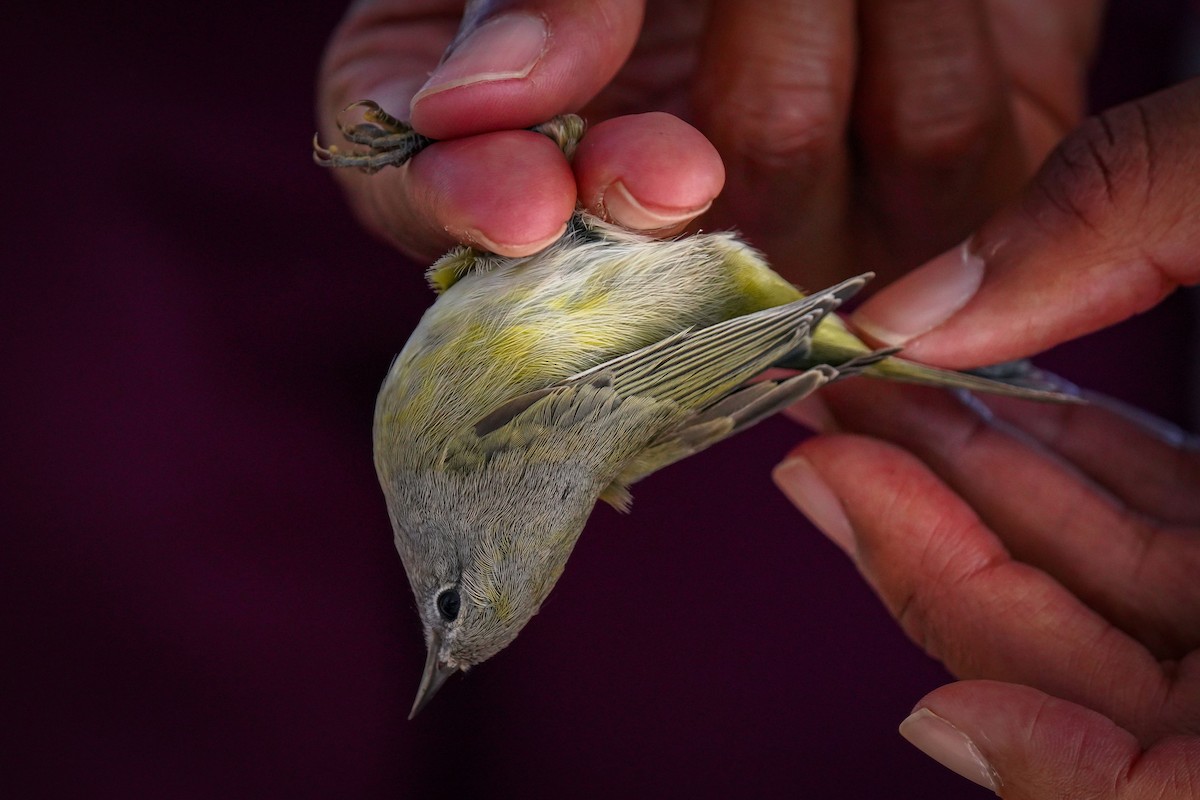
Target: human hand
point(1047, 554)
point(871, 134)
point(1107, 229)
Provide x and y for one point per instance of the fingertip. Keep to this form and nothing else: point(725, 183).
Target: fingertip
point(945, 743)
point(498, 51)
point(1023, 740)
point(860, 491)
point(509, 192)
point(921, 300)
point(804, 486)
point(649, 172)
point(519, 66)
point(617, 203)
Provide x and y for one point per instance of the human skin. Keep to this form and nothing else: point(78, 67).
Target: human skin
point(847, 136)
point(910, 124)
point(1046, 555)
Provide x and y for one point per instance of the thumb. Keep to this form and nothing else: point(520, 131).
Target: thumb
point(503, 65)
point(1108, 227)
point(1026, 745)
point(508, 65)
point(517, 63)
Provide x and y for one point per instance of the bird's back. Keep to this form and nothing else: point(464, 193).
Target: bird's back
point(527, 323)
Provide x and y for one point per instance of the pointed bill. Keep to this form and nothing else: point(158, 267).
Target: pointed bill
point(435, 675)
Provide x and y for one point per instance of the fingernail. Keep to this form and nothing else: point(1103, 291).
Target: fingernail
point(624, 209)
point(479, 239)
point(797, 479)
point(950, 747)
point(501, 49)
point(922, 299)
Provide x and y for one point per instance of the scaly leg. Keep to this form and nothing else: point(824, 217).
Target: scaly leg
point(391, 142)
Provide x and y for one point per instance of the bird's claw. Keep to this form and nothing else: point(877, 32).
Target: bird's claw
point(392, 142)
point(389, 141)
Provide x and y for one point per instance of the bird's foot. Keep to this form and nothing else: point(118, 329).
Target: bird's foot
point(391, 142)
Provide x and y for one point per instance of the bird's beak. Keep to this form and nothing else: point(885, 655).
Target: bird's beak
point(435, 675)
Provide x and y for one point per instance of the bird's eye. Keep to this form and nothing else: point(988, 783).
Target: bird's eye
point(448, 603)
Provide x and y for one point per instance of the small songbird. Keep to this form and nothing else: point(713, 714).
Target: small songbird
point(535, 386)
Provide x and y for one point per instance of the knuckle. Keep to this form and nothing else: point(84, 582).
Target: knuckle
point(916, 611)
point(779, 128)
point(931, 607)
point(942, 133)
point(921, 617)
point(1102, 170)
point(913, 618)
point(941, 105)
point(949, 140)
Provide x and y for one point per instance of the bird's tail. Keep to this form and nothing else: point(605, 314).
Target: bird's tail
point(1014, 379)
point(834, 343)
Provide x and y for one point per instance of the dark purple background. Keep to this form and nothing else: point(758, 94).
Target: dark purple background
point(203, 599)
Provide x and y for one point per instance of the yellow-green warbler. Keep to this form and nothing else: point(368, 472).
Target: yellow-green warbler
point(535, 386)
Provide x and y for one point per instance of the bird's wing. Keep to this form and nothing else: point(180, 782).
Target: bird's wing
point(697, 367)
point(732, 415)
point(691, 368)
point(586, 426)
point(675, 397)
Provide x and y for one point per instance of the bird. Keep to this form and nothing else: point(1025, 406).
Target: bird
point(536, 386)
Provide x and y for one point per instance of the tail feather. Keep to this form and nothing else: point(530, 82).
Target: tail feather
point(1019, 379)
point(835, 344)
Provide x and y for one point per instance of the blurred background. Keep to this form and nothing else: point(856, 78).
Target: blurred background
point(201, 594)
